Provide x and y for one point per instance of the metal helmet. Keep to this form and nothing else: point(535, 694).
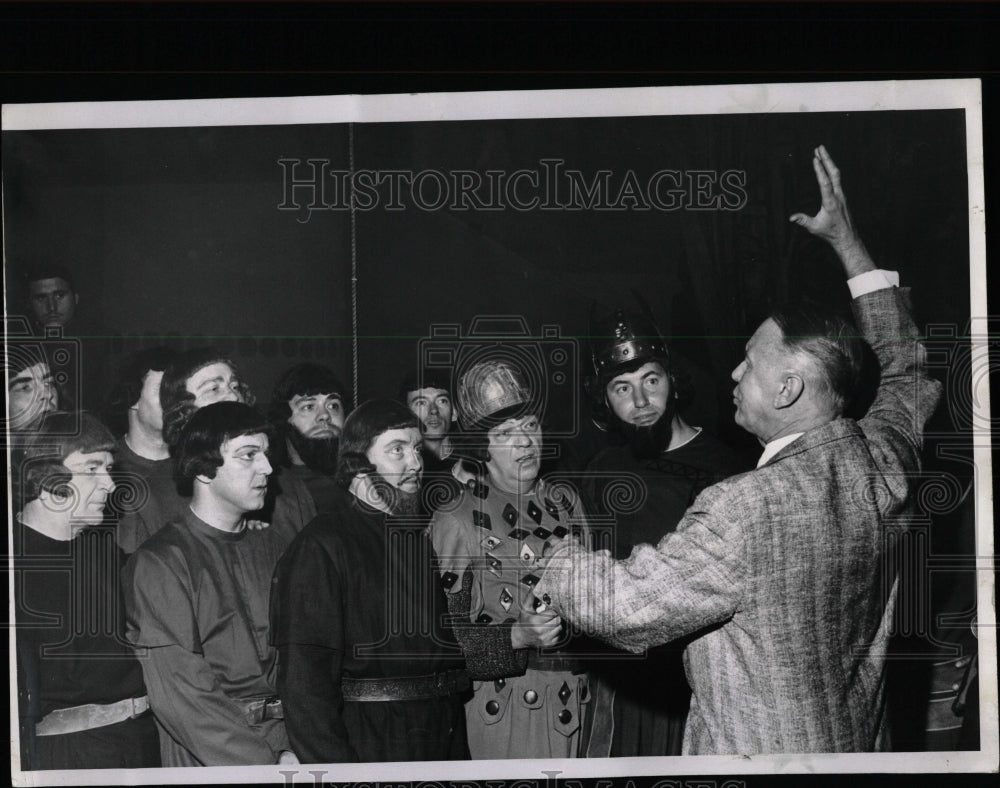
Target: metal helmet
point(620, 340)
point(490, 392)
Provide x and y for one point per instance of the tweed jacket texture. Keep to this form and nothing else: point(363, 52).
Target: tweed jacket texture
point(783, 572)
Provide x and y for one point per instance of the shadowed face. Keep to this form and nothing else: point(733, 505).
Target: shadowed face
point(32, 394)
point(52, 301)
point(147, 407)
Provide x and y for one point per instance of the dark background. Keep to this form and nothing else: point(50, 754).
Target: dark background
point(175, 235)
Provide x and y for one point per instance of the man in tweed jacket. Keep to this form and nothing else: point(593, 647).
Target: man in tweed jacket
point(783, 571)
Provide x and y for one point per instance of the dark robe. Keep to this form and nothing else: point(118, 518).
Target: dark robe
point(356, 597)
point(197, 600)
point(69, 655)
point(322, 489)
point(651, 695)
point(146, 498)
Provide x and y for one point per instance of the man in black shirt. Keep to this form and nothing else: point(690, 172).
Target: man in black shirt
point(643, 489)
point(82, 702)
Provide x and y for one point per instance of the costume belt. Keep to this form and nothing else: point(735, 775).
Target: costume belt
point(434, 685)
point(260, 709)
point(90, 715)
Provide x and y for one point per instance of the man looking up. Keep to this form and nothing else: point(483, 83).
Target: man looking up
point(369, 668)
point(307, 411)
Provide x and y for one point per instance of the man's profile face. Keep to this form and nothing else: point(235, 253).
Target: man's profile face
point(90, 484)
point(53, 301)
point(758, 380)
point(433, 407)
point(147, 407)
point(640, 397)
point(317, 415)
point(396, 457)
point(515, 450)
point(241, 481)
point(216, 382)
point(31, 395)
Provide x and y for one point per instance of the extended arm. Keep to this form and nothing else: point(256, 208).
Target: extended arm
point(906, 396)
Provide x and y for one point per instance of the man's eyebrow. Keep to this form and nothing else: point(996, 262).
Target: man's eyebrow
point(22, 379)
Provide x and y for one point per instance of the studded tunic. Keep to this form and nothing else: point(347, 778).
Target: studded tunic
point(488, 541)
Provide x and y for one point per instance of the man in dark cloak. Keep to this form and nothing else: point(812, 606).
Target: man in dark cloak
point(642, 489)
point(369, 670)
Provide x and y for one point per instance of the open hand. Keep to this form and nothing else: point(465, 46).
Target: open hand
point(833, 222)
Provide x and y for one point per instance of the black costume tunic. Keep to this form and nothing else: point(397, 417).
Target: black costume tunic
point(153, 500)
point(70, 655)
point(651, 694)
point(356, 596)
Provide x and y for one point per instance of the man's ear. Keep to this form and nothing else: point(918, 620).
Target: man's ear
point(791, 389)
point(76, 299)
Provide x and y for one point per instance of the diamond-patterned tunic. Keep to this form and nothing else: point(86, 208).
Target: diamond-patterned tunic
point(498, 537)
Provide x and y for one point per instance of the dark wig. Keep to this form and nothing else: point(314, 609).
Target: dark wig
point(199, 448)
point(59, 435)
point(177, 402)
point(363, 426)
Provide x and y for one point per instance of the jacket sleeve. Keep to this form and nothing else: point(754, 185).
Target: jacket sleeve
point(692, 579)
point(184, 691)
point(906, 396)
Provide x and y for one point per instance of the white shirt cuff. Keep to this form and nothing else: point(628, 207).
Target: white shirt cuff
point(870, 281)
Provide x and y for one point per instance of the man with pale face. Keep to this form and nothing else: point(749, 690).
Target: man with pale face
point(307, 410)
point(525, 704)
point(783, 575)
point(369, 670)
point(82, 701)
point(634, 394)
point(144, 464)
point(197, 597)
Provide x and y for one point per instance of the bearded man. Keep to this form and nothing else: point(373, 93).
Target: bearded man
point(369, 670)
point(307, 411)
point(633, 391)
